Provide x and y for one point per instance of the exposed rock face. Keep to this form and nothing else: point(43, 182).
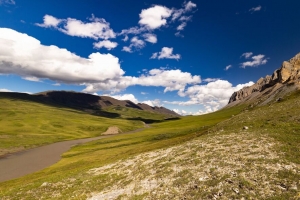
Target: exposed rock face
point(288, 73)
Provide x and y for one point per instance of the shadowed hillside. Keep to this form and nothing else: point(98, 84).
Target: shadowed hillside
point(86, 102)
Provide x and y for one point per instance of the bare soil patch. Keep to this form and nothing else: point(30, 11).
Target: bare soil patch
point(112, 131)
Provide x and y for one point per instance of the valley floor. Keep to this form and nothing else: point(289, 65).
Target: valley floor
point(217, 166)
point(204, 157)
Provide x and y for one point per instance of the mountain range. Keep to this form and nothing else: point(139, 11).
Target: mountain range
point(273, 87)
point(86, 102)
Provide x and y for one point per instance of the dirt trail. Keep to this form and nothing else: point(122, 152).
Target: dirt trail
point(25, 162)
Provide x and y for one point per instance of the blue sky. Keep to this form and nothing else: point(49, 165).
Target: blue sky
point(188, 56)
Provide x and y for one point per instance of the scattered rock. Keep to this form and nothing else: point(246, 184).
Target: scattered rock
point(204, 175)
point(283, 186)
point(245, 128)
point(279, 99)
point(229, 181)
point(45, 184)
point(294, 187)
point(236, 190)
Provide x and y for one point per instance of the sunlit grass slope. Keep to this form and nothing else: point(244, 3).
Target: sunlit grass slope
point(25, 124)
point(279, 120)
point(79, 159)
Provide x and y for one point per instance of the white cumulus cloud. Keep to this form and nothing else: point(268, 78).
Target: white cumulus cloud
point(181, 26)
point(180, 112)
point(133, 30)
point(166, 52)
point(247, 54)
point(210, 79)
point(155, 17)
point(106, 44)
point(187, 7)
point(256, 61)
point(127, 49)
point(171, 80)
point(212, 96)
point(149, 37)
point(135, 43)
point(129, 97)
point(97, 28)
point(50, 21)
point(153, 103)
point(21, 54)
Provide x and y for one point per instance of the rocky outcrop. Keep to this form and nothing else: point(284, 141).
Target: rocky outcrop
point(289, 73)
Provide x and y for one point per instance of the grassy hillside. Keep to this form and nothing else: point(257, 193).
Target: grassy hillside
point(279, 120)
point(81, 158)
point(26, 124)
point(210, 156)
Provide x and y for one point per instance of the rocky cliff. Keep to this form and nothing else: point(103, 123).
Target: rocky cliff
point(288, 74)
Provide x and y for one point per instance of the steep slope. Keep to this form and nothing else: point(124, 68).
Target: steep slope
point(282, 81)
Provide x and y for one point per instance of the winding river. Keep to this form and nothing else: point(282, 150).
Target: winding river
point(32, 160)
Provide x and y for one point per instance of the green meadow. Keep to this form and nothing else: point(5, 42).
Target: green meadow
point(27, 124)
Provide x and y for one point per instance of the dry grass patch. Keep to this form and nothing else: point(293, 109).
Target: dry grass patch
point(236, 165)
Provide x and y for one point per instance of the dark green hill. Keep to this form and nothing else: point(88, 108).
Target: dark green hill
point(86, 102)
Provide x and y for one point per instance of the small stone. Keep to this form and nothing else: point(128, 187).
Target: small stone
point(279, 99)
point(294, 187)
point(282, 186)
point(45, 184)
point(236, 190)
point(245, 128)
point(229, 181)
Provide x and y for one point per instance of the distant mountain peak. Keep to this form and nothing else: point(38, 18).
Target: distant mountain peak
point(265, 88)
point(88, 101)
